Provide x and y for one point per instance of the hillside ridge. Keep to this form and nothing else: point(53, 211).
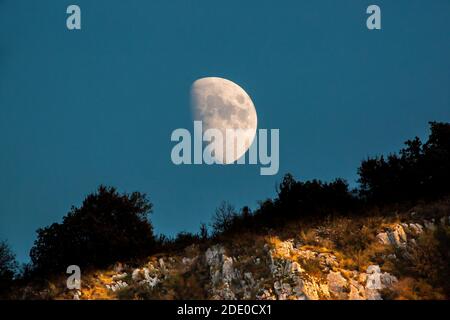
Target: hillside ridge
point(357, 258)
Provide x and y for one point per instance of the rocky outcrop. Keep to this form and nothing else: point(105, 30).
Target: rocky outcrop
point(221, 273)
point(269, 269)
point(117, 285)
point(283, 273)
point(292, 281)
point(337, 284)
point(398, 234)
point(395, 236)
point(144, 277)
point(376, 280)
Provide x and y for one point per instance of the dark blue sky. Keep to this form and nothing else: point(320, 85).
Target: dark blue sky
point(97, 106)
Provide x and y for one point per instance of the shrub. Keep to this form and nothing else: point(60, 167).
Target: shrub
point(8, 266)
point(108, 227)
point(224, 218)
point(428, 259)
point(418, 171)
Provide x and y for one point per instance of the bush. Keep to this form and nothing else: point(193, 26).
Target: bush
point(8, 267)
point(224, 219)
point(297, 199)
point(108, 227)
point(418, 171)
point(428, 260)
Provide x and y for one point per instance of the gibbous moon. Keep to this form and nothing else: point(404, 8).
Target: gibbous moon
point(221, 104)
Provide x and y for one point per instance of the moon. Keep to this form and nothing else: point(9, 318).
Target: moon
point(222, 104)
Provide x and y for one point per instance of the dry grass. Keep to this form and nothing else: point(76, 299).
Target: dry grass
point(413, 289)
point(422, 269)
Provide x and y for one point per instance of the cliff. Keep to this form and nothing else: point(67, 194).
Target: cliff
point(379, 256)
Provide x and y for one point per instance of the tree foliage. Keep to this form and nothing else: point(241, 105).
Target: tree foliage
point(108, 227)
point(8, 266)
point(418, 171)
point(224, 218)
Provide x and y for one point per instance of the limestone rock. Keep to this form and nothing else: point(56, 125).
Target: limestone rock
point(120, 276)
point(336, 284)
point(357, 291)
point(295, 268)
point(373, 294)
point(388, 280)
point(395, 236)
point(377, 280)
point(213, 255)
point(222, 272)
point(373, 269)
point(136, 275)
point(415, 229)
point(383, 238)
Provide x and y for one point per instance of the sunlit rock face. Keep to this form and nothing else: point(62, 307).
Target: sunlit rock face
point(265, 267)
point(278, 271)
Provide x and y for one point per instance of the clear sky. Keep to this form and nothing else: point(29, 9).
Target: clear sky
point(98, 106)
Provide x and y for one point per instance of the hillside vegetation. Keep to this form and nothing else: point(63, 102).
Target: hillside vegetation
point(389, 239)
point(385, 255)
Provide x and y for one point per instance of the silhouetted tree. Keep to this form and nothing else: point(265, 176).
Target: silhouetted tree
point(295, 200)
point(204, 235)
point(108, 227)
point(246, 213)
point(436, 162)
point(224, 218)
point(8, 267)
point(418, 171)
point(299, 199)
point(181, 240)
point(184, 239)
